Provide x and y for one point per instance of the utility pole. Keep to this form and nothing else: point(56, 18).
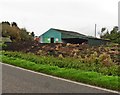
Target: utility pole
point(95, 29)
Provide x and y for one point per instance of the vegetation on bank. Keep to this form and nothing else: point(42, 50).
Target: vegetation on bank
point(12, 31)
point(90, 64)
point(89, 77)
point(113, 35)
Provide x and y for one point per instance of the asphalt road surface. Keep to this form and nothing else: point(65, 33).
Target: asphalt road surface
point(15, 80)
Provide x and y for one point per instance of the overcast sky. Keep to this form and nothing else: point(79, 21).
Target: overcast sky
point(74, 15)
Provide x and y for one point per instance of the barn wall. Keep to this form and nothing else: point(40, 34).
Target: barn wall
point(94, 42)
point(46, 37)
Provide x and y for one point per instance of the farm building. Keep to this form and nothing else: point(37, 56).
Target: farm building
point(63, 36)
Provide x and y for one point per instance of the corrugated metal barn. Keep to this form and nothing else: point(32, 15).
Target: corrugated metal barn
point(63, 36)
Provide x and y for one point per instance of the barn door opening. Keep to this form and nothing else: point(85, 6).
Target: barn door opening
point(74, 40)
point(52, 40)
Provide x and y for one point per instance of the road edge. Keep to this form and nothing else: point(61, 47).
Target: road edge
point(58, 78)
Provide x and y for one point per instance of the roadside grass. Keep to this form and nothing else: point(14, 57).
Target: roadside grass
point(66, 63)
point(89, 77)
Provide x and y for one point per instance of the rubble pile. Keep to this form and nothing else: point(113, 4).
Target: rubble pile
point(65, 50)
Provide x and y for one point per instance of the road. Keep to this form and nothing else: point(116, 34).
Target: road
point(16, 80)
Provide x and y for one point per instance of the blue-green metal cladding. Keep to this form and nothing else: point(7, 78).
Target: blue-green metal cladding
point(95, 42)
point(46, 37)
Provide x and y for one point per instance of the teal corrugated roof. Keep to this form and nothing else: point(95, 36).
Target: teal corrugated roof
point(70, 33)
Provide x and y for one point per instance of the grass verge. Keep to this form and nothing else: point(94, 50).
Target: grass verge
point(89, 77)
point(75, 63)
